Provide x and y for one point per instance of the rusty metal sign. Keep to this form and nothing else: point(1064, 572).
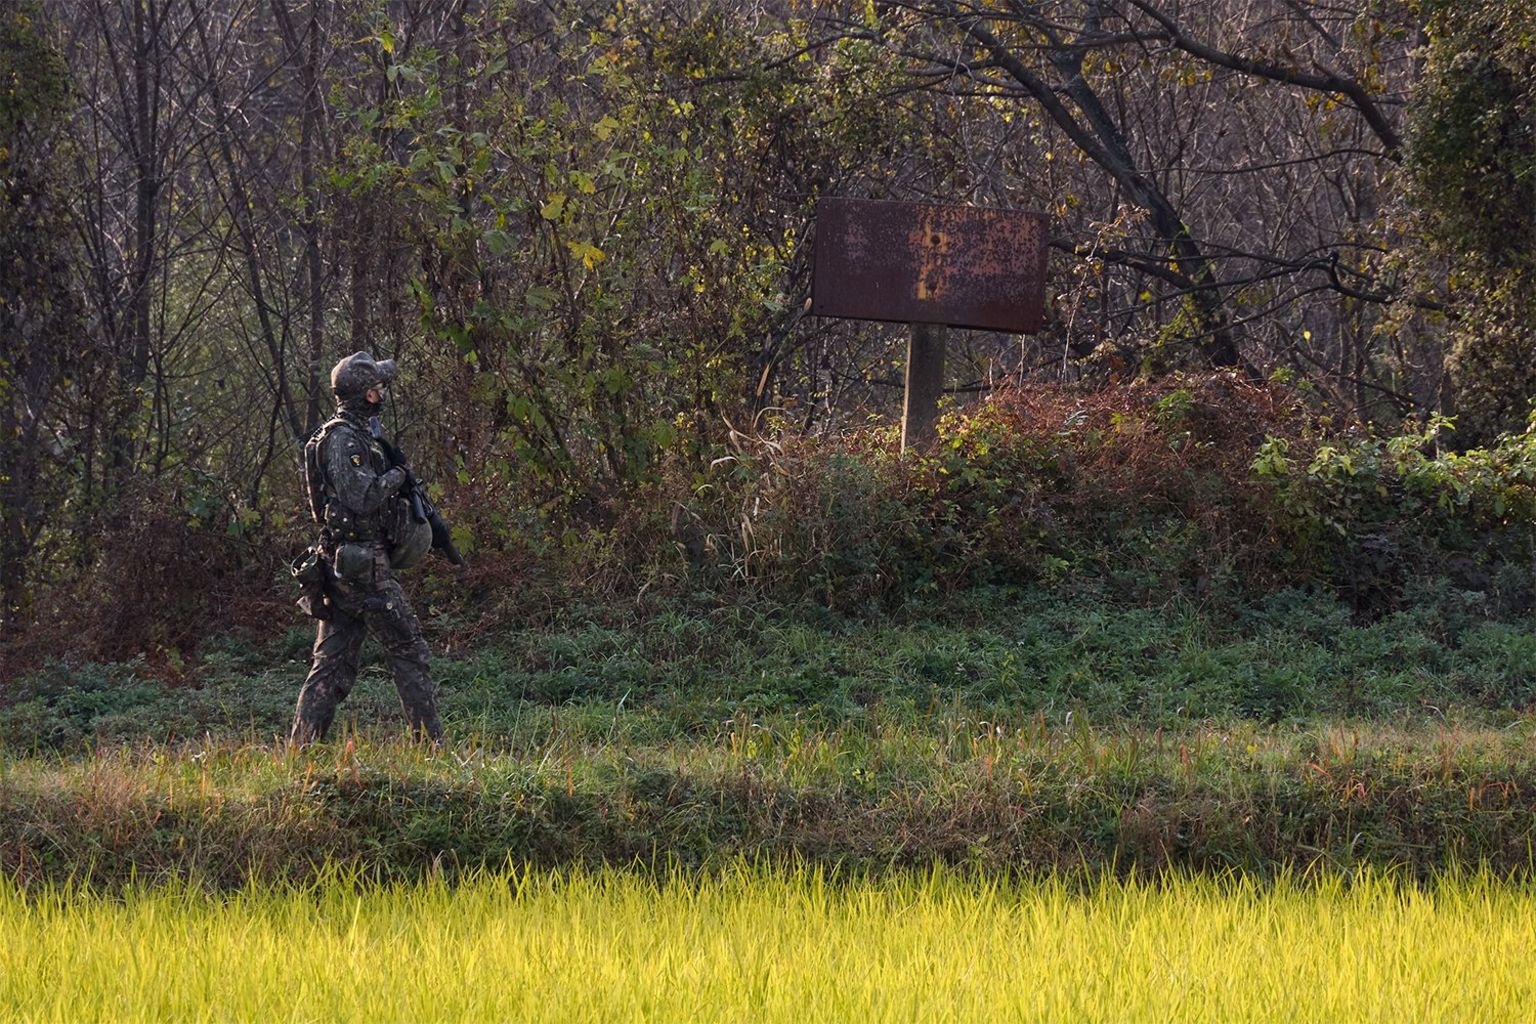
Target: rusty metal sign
point(963, 266)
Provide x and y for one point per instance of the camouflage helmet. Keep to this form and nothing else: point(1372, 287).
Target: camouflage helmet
point(359, 372)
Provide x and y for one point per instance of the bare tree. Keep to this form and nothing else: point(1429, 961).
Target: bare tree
point(1217, 169)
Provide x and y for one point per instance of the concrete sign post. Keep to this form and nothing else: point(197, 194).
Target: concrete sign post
point(925, 384)
point(931, 267)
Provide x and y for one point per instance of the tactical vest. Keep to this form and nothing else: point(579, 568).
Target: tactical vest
point(392, 523)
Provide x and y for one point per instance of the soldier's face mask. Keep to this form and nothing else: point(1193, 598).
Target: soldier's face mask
point(378, 393)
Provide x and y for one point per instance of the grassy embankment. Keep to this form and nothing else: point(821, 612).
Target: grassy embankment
point(997, 729)
point(755, 944)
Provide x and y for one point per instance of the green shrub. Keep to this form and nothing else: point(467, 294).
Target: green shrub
point(1365, 513)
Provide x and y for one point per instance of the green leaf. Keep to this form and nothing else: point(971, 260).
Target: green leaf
point(499, 242)
point(615, 380)
point(553, 207)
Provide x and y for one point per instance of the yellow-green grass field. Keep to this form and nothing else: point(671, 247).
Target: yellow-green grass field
point(761, 944)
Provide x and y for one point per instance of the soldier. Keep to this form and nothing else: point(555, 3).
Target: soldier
point(355, 496)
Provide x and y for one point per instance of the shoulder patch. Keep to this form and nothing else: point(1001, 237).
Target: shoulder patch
point(357, 460)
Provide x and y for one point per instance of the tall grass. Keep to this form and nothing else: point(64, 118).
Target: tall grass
point(579, 786)
point(757, 944)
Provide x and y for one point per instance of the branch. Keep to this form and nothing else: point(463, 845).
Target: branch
point(1328, 80)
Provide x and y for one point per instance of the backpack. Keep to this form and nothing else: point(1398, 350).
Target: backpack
point(314, 471)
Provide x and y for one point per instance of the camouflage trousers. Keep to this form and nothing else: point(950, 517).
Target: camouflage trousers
point(371, 600)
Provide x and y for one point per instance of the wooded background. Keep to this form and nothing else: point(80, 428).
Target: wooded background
point(583, 228)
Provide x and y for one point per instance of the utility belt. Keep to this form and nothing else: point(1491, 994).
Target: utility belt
point(349, 550)
point(318, 569)
point(394, 528)
point(345, 551)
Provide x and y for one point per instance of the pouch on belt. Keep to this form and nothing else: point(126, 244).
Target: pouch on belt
point(311, 573)
point(354, 563)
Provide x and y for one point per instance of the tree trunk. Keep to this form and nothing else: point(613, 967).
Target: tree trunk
point(311, 125)
point(133, 352)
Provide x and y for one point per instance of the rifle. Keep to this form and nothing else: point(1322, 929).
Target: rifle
point(422, 509)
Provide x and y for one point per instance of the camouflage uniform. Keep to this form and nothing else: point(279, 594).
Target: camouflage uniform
point(359, 495)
